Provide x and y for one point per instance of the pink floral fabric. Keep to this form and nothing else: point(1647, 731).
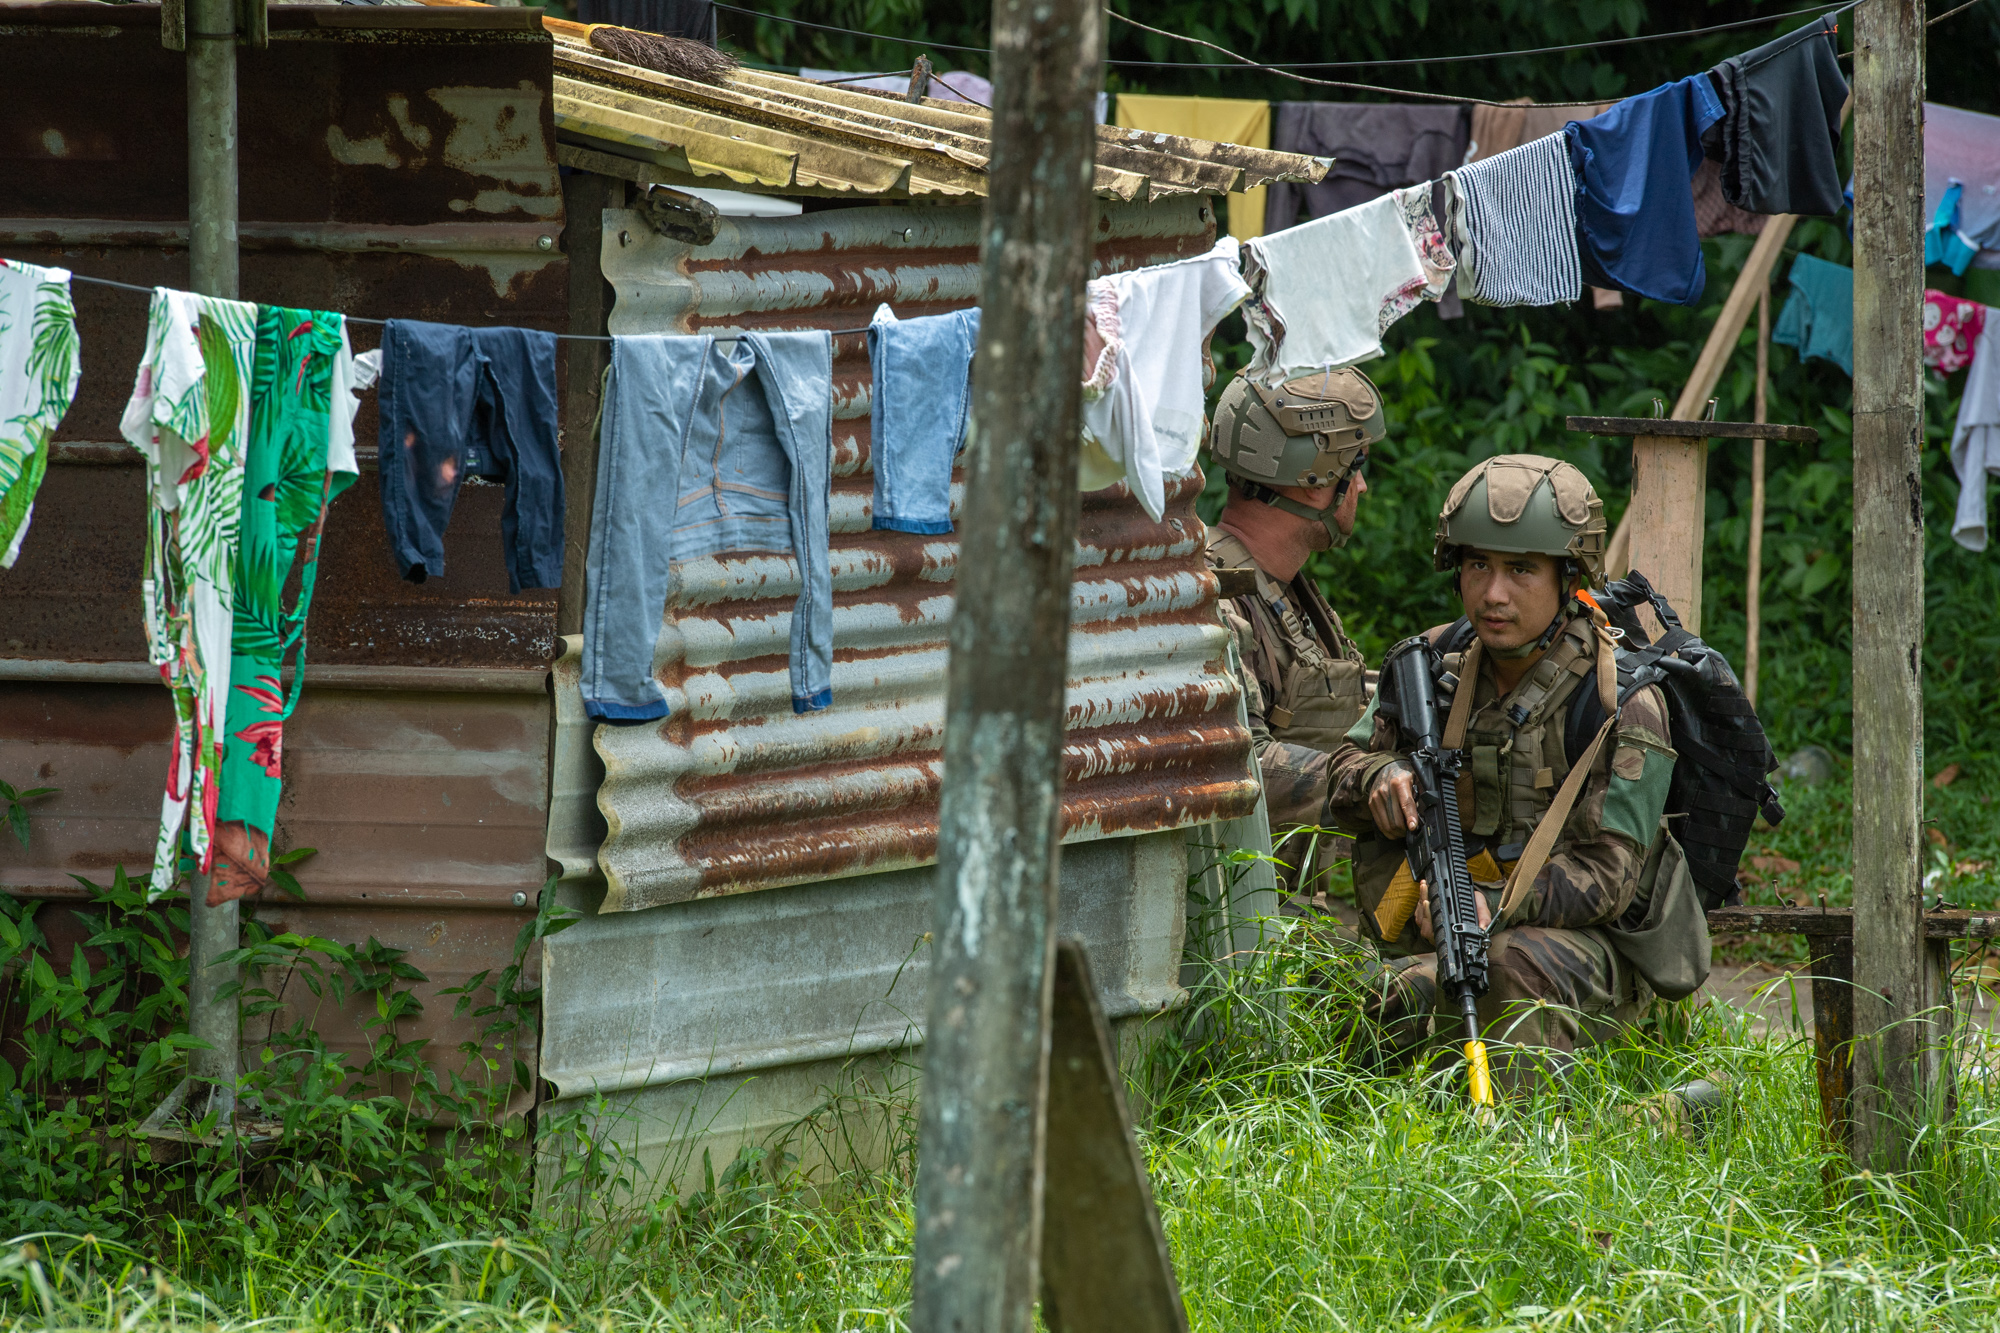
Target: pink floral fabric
point(1951, 325)
point(1432, 253)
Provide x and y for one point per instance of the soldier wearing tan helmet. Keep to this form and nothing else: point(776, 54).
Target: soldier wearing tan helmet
point(1294, 456)
point(1524, 537)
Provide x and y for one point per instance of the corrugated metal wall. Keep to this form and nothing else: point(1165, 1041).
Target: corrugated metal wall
point(395, 161)
point(732, 791)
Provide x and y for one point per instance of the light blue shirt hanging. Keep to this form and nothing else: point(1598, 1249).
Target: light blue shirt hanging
point(1944, 243)
point(919, 399)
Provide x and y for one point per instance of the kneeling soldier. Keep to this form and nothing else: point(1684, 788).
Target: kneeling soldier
point(1534, 667)
point(1294, 455)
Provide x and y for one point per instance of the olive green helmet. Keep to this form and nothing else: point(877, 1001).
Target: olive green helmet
point(1311, 431)
point(1523, 503)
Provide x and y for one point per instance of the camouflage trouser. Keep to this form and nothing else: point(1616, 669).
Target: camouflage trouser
point(1550, 991)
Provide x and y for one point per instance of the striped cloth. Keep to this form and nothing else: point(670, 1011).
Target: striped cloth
point(1513, 226)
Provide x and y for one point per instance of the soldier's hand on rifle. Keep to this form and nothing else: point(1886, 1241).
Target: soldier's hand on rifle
point(1422, 916)
point(1392, 799)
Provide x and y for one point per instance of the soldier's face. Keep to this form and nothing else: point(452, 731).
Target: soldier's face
point(1510, 598)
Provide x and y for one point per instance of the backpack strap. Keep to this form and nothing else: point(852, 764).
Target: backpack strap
point(1457, 636)
point(1460, 716)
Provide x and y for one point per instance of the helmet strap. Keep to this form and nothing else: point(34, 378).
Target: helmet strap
point(1529, 649)
point(1264, 495)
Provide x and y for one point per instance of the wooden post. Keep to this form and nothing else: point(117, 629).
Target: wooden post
point(585, 197)
point(1667, 514)
point(1669, 490)
point(982, 1133)
point(1708, 367)
point(212, 271)
point(1897, 1060)
point(1753, 593)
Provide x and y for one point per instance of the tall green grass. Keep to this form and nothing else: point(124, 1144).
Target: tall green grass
point(1299, 1191)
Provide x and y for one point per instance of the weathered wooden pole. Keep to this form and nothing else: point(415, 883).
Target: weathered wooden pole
point(1753, 593)
point(983, 1131)
point(1897, 1060)
point(211, 34)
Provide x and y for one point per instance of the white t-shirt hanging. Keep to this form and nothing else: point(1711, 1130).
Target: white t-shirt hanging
point(1975, 440)
point(1321, 287)
point(350, 377)
point(1148, 419)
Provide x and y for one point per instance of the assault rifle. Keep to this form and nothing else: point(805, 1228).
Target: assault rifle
point(1436, 848)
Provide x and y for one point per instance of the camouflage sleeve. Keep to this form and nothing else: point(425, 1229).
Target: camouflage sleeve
point(1594, 870)
point(1367, 749)
point(1295, 776)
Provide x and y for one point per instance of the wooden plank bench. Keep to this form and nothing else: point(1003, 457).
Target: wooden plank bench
point(1829, 935)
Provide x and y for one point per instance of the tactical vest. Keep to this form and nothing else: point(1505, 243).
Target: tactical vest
point(1515, 744)
point(1517, 761)
point(1313, 689)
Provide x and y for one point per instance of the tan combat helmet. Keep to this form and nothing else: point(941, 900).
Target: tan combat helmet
point(1311, 431)
point(1524, 503)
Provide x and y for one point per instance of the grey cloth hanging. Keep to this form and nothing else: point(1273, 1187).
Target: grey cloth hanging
point(1376, 148)
point(1780, 129)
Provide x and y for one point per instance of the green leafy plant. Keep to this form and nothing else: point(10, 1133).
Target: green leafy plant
point(16, 803)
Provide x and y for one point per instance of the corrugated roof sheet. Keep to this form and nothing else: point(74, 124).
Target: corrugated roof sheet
point(732, 791)
point(780, 133)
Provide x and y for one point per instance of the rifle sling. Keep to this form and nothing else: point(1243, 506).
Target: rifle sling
point(1309, 603)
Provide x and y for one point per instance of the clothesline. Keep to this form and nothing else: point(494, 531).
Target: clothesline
point(362, 319)
point(1247, 63)
point(1286, 69)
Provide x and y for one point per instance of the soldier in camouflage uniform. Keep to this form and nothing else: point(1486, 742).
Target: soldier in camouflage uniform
point(1294, 456)
point(1525, 536)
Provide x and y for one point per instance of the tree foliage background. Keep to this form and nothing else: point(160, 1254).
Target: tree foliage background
point(1501, 381)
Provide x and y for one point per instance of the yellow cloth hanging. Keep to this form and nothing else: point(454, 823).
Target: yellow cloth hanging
point(1218, 120)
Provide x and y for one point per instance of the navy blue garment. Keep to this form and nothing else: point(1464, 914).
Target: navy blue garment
point(1635, 226)
point(458, 403)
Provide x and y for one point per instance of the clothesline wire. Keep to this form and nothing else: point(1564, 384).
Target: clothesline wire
point(362, 319)
point(1932, 23)
point(1482, 55)
point(1287, 70)
point(1375, 88)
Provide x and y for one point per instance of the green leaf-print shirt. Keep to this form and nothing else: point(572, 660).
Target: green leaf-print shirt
point(38, 374)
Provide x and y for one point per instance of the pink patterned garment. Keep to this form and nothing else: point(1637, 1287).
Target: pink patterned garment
point(1432, 253)
point(1951, 324)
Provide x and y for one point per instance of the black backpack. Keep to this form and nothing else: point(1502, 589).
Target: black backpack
point(1719, 785)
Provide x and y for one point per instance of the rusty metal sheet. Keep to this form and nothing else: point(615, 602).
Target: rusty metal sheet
point(448, 945)
point(788, 134)
point(427, 807)
point(395, 161)
point(734, 792)
point(74, 593)
point(415, 798)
